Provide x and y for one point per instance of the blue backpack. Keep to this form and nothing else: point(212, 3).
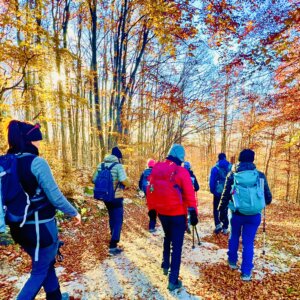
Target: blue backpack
point(14, 201)
point(222, 173)
point(145, 180)
point(104, 184)
point(247, 193)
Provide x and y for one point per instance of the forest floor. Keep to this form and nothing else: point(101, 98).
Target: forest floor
point(87, 271)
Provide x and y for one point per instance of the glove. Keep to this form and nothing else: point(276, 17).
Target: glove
point(193, 217)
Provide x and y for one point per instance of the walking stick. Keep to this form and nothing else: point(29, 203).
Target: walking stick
point(264, 241)
point(199, 243)
point(193, 247)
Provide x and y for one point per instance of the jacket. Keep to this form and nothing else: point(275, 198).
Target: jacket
point(194, 181)
point(118, 174)
point(177, 202)
point(226, 195)
point(214, 177)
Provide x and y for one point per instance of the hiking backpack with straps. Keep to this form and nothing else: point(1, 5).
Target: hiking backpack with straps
point(221, 178)
point(104, 185)
point(15, 204)
point(163, 190)
point(145, 180)
point(247, 192)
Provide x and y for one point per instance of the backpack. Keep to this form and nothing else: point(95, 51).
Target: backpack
point(145, 180)
point(163, 190)
point(222, 173)
point(104, 184)
point(15, 204)
point(247, 192)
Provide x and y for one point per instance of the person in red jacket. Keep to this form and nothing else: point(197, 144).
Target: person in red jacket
point(171, 193)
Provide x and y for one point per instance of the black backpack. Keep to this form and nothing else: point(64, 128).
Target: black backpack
point(104, 184)
point(15, 203)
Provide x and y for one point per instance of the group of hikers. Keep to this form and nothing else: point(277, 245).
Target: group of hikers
point(240, 193)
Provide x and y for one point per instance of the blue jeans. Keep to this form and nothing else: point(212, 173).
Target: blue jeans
point(216, 213)
point(115, 213)
point(247, 227)
point(43, 271)
point(174, 228)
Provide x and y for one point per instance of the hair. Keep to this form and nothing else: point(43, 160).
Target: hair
point(247, 155)
point(222, 156)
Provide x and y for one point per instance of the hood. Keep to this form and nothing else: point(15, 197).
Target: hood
point(177, 151)
point(223, 163)
point(110, 159)
point(244, 166)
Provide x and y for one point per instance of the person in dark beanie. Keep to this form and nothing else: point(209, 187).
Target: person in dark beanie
point(216, 184)
point(246, 193)
point(115, 208)
point(39, 234)
point(171, 194)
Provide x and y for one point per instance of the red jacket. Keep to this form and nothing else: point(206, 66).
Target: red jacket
point(170, 191)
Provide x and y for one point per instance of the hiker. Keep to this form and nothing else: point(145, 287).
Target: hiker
point(39, 234)
point(187, 166)
point(216, 184)
point(115, 207)
point(246, 193)
point(143, 182)
point(170, 192)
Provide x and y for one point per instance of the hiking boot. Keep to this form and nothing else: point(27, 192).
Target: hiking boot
point(115, 251)
point(225, 231)
point(218, 229)
point(232, 265)
point(245, 277)
point(174, 286)
point(165, 271)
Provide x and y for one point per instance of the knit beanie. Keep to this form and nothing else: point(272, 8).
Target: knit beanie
point(116, 152)
point(187, 165)
point(177, 151)
point(150, 163)
point(247, 155)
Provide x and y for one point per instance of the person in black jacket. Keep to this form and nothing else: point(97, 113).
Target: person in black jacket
point(187, 166)
point(244, 225)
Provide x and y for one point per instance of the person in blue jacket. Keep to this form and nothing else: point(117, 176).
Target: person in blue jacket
point(216, 184)
point(39, 235)
point(241, 224)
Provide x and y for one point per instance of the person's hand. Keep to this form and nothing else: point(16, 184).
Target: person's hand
point(78, 219)
point(193, 217)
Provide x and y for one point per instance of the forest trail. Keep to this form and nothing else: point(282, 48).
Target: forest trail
point(136, 273)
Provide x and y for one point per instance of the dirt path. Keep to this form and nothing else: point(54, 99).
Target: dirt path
point(136, 273)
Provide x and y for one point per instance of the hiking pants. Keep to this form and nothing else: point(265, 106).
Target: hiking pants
point(115, 213)
point(43, 271)
point(245, 226)
point(217, 213)
point(152, 218)
point(174, 228)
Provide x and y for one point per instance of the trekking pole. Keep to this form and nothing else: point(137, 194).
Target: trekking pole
point(264, 240)
point(193, 247)
point(194, 227)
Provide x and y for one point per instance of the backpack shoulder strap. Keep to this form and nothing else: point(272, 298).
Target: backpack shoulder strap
point(112, 165)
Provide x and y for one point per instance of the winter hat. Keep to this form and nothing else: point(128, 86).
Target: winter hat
point(177, 151)
point(247, 155)
point(116, 152)
point(222, 156)
point(150, 163)
point(187, 165)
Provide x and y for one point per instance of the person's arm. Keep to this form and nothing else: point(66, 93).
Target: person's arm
point(43, 174)
point(188, 192)
point(196, 184)
point(212, 180)
point(141, 182)
point(122, 177)
point(267, 191)
point(96, 173)
point(226, 195)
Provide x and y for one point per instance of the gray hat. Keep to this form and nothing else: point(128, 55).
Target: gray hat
point(177, 151)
